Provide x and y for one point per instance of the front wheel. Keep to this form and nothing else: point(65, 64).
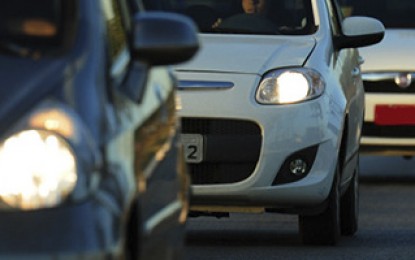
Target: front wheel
point(134, 231)
point(324, 228)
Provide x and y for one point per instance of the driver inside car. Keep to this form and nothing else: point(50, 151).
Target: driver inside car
point(249, 7)
point(254, 6)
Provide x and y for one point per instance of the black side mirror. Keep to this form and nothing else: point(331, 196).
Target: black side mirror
point(162, 38)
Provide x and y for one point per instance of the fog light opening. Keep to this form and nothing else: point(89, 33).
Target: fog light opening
point(298, 167)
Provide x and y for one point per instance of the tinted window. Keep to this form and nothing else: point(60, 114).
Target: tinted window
point(232, 16)
point(393, 13)
point(36, 25)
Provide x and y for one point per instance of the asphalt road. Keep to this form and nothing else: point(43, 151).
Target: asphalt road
point(386, 224)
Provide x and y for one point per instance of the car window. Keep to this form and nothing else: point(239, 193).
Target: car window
point(393, 14)
point(35, 26)
point(291, 17)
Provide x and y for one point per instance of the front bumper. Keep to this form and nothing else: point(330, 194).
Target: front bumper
point(80, 231)
point(283, 129)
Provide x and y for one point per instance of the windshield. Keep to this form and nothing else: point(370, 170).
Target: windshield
point(393, 13)
point(270, 17)
point(32, 26)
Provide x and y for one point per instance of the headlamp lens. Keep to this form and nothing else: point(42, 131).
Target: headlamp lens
point(37, 169)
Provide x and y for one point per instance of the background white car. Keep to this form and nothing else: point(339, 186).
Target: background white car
point(272, 108)
point(388, 74)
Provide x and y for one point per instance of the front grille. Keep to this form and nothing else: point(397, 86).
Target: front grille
point(386, 86)
point(223, 162)
point(219, 126)
point(373, 130)
point(220, 173)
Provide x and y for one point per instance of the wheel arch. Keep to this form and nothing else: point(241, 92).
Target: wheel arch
point(348, 159)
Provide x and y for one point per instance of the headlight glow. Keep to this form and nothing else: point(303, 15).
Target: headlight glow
point(37, 169)
point(54, 120)
point(289, 86)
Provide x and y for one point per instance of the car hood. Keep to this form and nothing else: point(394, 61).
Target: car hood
point(23, 82)
point(249, 54)
point(394, 53)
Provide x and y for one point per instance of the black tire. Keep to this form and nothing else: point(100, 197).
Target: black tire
point(134, 231)
point(349, 207)
point(324, 228)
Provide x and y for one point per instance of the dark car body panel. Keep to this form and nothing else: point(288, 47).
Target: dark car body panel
point(121, 184)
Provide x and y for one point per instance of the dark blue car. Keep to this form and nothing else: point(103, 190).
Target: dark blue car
point(90, 161)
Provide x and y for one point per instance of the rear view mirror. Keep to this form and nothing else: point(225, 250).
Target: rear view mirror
point(162, 38)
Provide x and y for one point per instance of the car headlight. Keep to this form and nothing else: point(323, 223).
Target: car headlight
point(37, 169)
point(287, 86)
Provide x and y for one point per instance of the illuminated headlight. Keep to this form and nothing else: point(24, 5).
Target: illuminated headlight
point(289, 86)
point(37, 170)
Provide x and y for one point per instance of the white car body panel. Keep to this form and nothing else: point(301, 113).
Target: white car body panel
point(216, 104)
point(263, 52)
point(391, 54)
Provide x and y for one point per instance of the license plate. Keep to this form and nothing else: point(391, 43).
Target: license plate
point(395, 115)
point(193, 147)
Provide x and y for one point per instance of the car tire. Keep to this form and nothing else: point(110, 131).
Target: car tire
point(134, 231)
point(324, 228)
point(349, 207)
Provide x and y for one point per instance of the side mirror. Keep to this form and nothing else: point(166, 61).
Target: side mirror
point(360, 31)
point(162, 38)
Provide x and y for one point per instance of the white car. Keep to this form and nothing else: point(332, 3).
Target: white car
point(272, 115)
point(388, 74)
